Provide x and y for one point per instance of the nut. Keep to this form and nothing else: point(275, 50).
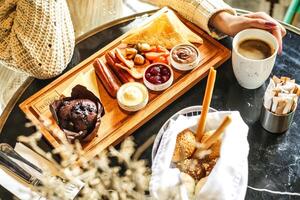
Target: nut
point(130, 52)
point(143, 47)
point(139, 59)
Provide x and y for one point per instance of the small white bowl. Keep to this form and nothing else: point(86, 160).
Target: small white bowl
point(158, 87)
point(135, 107)
point(185, 66)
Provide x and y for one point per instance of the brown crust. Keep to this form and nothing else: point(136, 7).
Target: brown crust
point(185, 145)
point(192, 167)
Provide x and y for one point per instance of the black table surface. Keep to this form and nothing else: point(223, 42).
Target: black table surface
point(274, 160)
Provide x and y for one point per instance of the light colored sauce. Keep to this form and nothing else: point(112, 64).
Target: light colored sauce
point(132, 95)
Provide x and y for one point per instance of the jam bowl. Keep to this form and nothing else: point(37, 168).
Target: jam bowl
point(184, 57)
point(158, 76)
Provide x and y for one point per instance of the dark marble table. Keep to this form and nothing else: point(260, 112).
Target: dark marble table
point(274, 160)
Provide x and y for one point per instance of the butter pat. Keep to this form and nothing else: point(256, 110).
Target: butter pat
point(132, 96)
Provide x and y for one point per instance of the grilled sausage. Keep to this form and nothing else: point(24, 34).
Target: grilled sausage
point(124, 76)
point(107, 77)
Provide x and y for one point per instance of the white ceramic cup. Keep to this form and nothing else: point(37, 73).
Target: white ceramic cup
point(250, 73)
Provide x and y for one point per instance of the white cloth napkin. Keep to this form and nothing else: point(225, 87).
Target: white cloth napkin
point(23, 190)
point(13, 183)
point(228, 179)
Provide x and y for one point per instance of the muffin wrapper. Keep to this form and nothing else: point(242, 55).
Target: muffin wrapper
point(78, 92)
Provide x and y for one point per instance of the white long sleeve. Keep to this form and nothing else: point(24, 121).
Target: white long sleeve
point(197, 11)
point(36, 36)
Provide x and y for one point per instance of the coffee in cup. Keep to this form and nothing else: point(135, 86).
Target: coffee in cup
point(255, 49)
point(253, 57)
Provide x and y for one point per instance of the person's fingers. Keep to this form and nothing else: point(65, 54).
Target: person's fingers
point(278, 31)
point(261, 23)
point(265, 16)
point(262, 15)
point(282, 29)
point(278, 36)
point(242, 23)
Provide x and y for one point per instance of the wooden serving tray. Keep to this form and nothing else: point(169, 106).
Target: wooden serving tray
point(116, 123)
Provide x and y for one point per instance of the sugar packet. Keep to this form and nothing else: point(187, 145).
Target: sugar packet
point(281, 95)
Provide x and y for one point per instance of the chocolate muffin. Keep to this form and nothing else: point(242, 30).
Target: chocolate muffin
point(79, 115)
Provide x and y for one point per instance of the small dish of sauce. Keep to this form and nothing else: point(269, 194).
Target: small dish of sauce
point(132, 96)
point(185, 57)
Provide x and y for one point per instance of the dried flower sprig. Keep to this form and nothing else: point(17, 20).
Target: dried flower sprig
point(103, 179)
point(127, 178)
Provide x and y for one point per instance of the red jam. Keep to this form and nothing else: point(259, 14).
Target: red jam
point(158, 74)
